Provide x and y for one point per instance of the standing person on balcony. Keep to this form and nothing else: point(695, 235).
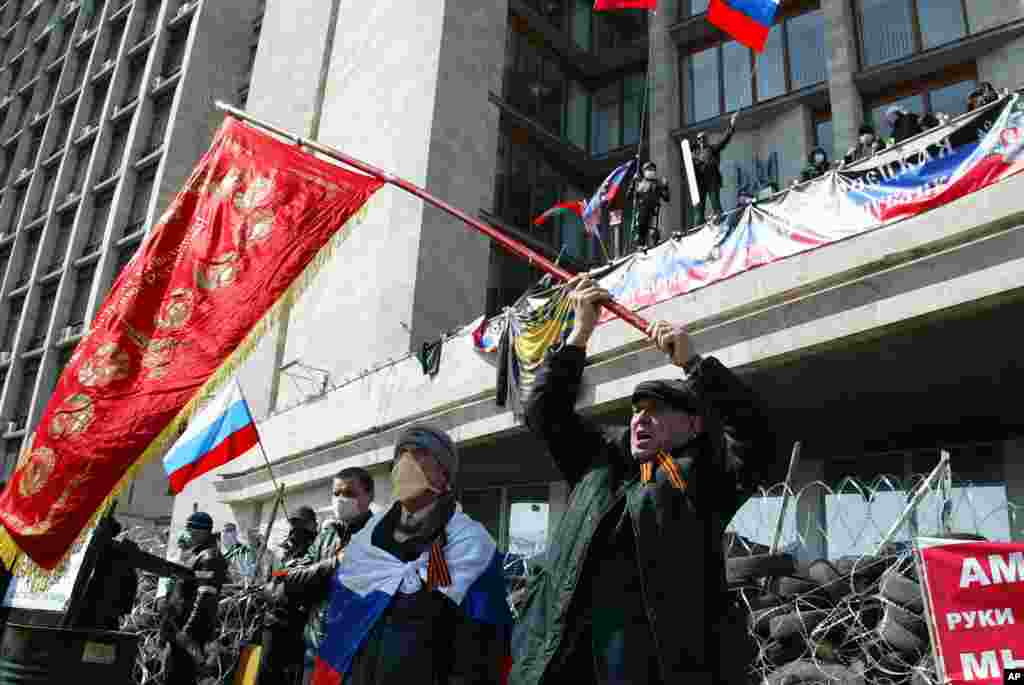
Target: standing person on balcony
point(707, 158)
point(867, 145)
point(634, 587)
point(902, 123)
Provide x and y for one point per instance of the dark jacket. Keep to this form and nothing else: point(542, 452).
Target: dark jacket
point(424, 637)
point(311, 579)
point(814, 170)
point(193, 603)
point(706, 160)
point(861, 151)
point(906, 126)
point(677, 535)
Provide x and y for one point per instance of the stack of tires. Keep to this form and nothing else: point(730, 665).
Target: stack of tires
point(855, 620)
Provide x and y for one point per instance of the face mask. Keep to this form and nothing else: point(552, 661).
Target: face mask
point(867, 139)
point(650, 174)
point(408, 480)
point(345, 508)
point(819, 159)
point(229, 539)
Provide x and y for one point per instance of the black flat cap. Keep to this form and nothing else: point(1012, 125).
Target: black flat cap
point(675, 393)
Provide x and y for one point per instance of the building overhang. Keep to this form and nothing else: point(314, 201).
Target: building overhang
point(967, 254)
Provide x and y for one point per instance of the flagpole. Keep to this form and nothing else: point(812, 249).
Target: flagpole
point(640, 144)
point(513, 246)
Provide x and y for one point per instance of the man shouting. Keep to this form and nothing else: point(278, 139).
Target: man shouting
point(634, 589)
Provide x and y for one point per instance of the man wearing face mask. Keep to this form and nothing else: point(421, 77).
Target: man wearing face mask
point(817, 165)
point(239, 557)
point(352, 491)
point(619, 601)
point(191, 612)
point(650, 193)
point(446, 616)
point(867, 145)
point(282, 641)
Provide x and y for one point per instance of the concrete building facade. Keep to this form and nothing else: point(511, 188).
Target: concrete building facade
point(105, 106)
point(875, 352)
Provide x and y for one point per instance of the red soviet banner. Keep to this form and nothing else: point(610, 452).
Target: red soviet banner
point(975, 593)
point(237, 242)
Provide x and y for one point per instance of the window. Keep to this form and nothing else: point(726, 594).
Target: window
point(891, 29)
point(26, 107)
point(34, 144)
point(15, 68)
point(620, 28)
point(114, 41)
point(825, 138)
point(116, 151)
point(577, 114)
point(722, 78)
point(28, 386)
point(125, 254)
point(49, 90)
point(615, 115)
point(581, 27)
point(81, 62)
point(140, 201)
point(99, 97)
point(46, 192)
point(516, 517)
point(691, 8)
point(12, 447)
point(28, 257)
point(47, 297)
point(81, 167)
point(14, 309)
point(149, 20)
point(63, 129)
point(17, 206)
point(68, 27)
point(131, 86)
point(175, 54)
point(534, 82)
point(161, 115)
point(100, 214)
point(65, 224)
point(91, 17)
point(5, 259)
point(83, 287)
point(949, 99)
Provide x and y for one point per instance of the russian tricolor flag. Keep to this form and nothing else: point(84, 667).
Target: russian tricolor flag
point(223, 430)
point(748, 21)
point(604, 196)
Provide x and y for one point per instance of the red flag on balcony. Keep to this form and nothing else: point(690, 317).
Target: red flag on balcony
point(609, 5)
point(251, 227)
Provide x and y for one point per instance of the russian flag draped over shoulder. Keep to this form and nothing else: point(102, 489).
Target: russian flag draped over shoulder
point(368, 578)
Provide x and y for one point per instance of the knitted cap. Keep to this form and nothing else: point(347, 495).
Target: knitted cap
point(434, 440)
point(200, 520)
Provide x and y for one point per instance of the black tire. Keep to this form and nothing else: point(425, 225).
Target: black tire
point(901, 639)
point(746, 569)
point(796, 623)
point(779, 653)
point(902, 591)
point(807, 671)
point(759, 622)
point(792, 586)
point(755, 600)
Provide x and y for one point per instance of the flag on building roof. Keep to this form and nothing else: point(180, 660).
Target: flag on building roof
point(222, 431)
point(609, 5)
point(748, 21)
point(604, 196)
point(572, 206)
point(254, 223)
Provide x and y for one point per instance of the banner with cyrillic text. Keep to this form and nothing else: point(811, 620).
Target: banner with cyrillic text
point(975, 600)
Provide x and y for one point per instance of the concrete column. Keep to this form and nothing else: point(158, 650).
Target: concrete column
point(664, 104)
point(1013, 472)
point(847, 108)
point(811, 523)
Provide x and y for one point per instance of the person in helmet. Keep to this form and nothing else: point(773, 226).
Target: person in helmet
point(650, 193)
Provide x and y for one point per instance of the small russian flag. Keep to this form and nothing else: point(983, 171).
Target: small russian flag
point(748, 21)
point(223, 430)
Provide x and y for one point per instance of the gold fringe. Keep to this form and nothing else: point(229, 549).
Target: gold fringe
point(39, 578)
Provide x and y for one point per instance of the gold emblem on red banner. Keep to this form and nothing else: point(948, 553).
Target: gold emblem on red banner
point(158, 356)
point(219, 272)
point(228, 184)
point(107, 365)
point(255, 195)
point(73, 417)
point(254, 227)
point(176, 311)
point(36, 471)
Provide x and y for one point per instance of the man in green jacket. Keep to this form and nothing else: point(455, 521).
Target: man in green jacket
point(634, 588)
point(352, 492)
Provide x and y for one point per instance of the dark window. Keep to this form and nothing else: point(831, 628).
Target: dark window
point(91, 17)
point(17, 206)
point(14, 309)
point(116, 151)
point(722, 78)
point(114, 40)
point(140, 201)
point(28, 257)
point(81, 62)
point(161, 115)
point(83, 286)
point(67, 28)
point(65, 224)
point(125, 254)
point(100, 214)
point(26, 109)
point(149, 20)
point(81, 167)
point(46, 192)
point(64, 129)
point(15, 68)
point(5, 259)
point(615, 115)
point(34, 144)
point(824, 137)
point(945, 98)
point(690, 8)
point(28, 386)
point(891, 29)
point(49, 89)
point(175, 54)
point(47, 298)
point(99, 97)
point(620, 29)
point(131, 86)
